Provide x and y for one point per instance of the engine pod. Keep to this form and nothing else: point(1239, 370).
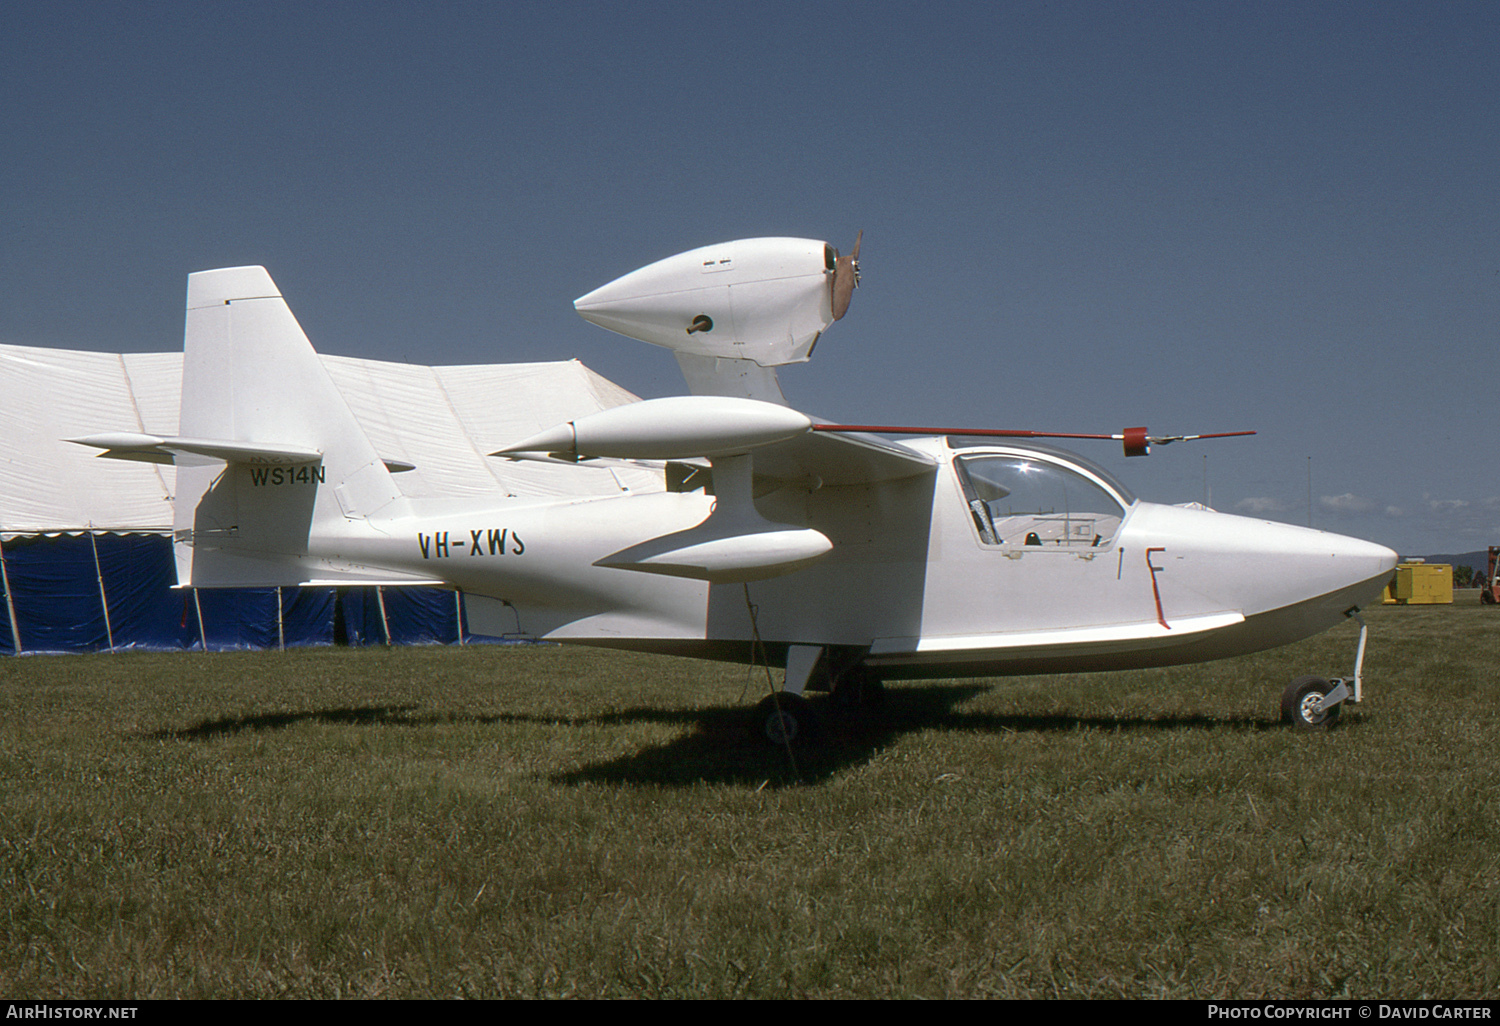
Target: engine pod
point(765, 300)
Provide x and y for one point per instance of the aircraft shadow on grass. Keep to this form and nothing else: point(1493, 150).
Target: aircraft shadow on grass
point(229, 725)
point(722, 748)
point(718, 746)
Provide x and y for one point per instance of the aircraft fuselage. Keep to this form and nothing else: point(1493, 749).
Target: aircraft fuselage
point(936, 574)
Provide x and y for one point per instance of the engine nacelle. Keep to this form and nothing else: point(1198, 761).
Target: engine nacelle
point(765, 300)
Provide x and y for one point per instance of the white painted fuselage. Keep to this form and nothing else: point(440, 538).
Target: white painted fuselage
point(914, 580)
point(933, 557)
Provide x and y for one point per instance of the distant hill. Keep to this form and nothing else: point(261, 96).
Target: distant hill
point(1478, 560)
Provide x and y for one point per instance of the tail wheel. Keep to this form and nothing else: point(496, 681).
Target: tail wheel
point(1299, 704)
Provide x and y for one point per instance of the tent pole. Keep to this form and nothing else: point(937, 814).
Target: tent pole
point(458, 615)
point(109, 632)
point(384, 624)
point(10, 606)
point(198, 608)
point(280, 626)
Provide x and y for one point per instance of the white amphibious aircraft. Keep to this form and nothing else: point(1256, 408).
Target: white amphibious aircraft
point(843, 556)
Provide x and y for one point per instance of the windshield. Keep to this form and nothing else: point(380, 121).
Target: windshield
point(1028, 500)
point(1056, 455)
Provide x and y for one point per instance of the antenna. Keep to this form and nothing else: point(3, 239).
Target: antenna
point(1309, 491)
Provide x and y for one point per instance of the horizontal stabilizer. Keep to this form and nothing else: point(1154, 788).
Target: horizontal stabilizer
point(158, 449)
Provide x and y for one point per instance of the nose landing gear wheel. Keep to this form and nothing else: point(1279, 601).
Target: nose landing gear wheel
point(1299, 704)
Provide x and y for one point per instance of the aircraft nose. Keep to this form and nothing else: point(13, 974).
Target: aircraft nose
point(1298, 564)
point(1310, 581)
point(1256, 566)
point(1312, 563)
point(1357, 548)
point(1365, 560)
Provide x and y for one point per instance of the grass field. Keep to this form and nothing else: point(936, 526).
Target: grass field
point(538, 822)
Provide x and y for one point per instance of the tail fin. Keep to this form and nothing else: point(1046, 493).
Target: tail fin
point(251, 377)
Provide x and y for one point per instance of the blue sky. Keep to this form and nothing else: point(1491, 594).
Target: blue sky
point(1078, 216)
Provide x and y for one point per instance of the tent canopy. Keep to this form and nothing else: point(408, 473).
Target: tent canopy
point(441, 419)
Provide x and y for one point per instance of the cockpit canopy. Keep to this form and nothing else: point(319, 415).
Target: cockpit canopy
point(1040, 498)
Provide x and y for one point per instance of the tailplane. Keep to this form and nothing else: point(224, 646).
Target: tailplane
point(249, 374)
point(269, 455)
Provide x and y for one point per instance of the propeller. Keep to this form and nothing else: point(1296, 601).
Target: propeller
point(846, 278)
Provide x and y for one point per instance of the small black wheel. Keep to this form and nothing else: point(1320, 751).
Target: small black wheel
point(784, 718)
point(1299, 704)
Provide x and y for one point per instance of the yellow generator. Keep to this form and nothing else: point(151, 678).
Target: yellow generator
point(1420, 583)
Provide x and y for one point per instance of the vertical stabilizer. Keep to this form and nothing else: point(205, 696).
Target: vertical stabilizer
point(250, 375)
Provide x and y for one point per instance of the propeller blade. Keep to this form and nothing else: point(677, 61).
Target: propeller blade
point(846, 278)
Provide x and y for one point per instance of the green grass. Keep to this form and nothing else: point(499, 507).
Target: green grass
point(541, 822)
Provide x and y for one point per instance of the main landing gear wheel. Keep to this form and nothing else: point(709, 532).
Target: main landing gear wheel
point(786, 719)
point(1299, 704)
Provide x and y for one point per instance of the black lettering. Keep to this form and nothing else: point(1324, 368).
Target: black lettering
point(260, 477)
point(482, 541)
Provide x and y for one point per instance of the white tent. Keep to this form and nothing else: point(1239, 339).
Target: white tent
point(85, 550)
point(441, 419)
